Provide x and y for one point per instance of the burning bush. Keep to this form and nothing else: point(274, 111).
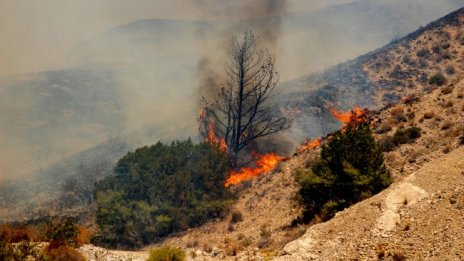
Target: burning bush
point(160, 189)
point(350, 168)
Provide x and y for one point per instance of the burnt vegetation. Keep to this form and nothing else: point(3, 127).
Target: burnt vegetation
point(63, 236)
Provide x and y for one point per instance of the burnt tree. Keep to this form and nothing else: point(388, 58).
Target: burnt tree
point(243, 109)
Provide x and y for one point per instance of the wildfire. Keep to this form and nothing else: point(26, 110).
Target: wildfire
point(221, 143)
point(310, 145)
point(355, 115)
point(264, 163)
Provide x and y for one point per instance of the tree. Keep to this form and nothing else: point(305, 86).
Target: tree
point(243, 110)
point(350, 168)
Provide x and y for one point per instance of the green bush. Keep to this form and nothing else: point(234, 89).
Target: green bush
point(167, 253)
point(437, 79)
point(407, 135)
point(350, 168)
point(160, 189)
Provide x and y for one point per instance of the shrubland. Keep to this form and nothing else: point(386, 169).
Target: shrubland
point(160, 189)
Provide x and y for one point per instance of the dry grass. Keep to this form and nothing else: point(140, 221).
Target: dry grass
point(447, 90)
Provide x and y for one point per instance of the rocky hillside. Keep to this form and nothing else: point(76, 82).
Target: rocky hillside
point(384, 76)
point(418, 217)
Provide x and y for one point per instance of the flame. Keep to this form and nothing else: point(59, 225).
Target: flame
point(355, 115)
point(264, 163)
point(221, 143)
point(310, 145)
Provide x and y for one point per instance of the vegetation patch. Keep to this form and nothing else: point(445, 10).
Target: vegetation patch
point(437, 79)
point(20, 243)
point(160, 189)
point(350, 168)
point(167, 253)
point(407, 135)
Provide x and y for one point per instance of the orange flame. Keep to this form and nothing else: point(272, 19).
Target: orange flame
point(310, 145)
point(221, 143)
point(264, 163)
point(355, 115)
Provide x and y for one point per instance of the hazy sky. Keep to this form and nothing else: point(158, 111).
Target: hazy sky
point(35, 33)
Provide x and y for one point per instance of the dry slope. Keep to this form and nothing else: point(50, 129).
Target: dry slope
point(419, 218)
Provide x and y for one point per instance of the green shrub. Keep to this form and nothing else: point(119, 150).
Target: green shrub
point(407, 135)
point(167, 253)
point(350, 168)
point(160, 189)
point(437, 79)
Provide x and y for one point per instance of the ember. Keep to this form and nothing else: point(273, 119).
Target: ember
point(310, 145)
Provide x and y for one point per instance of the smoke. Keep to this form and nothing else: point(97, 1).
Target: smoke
point(262, 17)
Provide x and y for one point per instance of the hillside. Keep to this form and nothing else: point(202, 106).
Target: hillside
point(56, 119)
point(425, 197)
point(396, 81)
point(380, 77)
point(417, 217)
point(50, 192)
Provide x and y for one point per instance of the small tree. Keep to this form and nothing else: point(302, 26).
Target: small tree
point(242, 111)
point(350, 169)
